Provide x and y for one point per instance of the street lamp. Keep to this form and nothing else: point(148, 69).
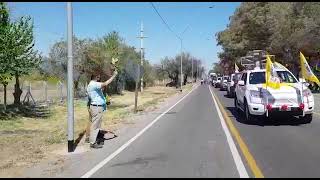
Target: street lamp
point(70, 81)
point(181, 56)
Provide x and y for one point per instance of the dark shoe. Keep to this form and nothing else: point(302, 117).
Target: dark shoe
point(96, 145)
point(100, 141)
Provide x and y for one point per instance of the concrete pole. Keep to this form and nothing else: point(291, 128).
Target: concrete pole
point(181, 67)
point(192, 70)
point(197, 71)
point(136, 90)
point(45, 91)
point(141, 46)
point(70, 81)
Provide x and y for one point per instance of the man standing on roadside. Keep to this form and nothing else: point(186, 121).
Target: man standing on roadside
point(97, 106)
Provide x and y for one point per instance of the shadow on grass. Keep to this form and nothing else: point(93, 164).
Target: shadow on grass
point(116, 106)
point(263, 121)
point(13, 111)
point(158, 93)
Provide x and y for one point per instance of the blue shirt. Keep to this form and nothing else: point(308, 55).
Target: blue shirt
point(95, 94)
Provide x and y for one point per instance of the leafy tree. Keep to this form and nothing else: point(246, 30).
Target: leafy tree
point(57, 62)
point(281, 28)
point(172, 67)
point(5, 76)
point(21, 54)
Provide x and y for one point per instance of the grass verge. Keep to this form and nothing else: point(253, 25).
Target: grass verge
point(25, 141)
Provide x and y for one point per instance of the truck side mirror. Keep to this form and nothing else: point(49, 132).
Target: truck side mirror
point(241, 83)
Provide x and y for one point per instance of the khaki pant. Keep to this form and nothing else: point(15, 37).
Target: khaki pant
point(96, 119)
point(89, 124)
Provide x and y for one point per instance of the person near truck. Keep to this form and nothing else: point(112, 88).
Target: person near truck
point(97, 106)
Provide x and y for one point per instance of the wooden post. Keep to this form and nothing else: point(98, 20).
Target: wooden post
point(45, 91)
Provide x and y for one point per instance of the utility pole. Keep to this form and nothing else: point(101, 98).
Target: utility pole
point(192, 79)
point(181, 67)
point(197, 71)
point(180, 37)
point(70, 80)
point(141, 52)
point(136, 90)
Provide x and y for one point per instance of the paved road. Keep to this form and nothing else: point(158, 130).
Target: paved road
point(284, 148)
point(190, 141)
point(186, 142)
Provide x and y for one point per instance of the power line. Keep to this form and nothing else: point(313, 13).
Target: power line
point(164, 22)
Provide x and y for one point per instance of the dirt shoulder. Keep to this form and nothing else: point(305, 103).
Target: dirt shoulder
point(30, 142)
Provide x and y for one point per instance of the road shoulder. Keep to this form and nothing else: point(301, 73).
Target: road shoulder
point(76, 164)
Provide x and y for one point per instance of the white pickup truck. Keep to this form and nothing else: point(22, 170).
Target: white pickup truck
point(254, 99)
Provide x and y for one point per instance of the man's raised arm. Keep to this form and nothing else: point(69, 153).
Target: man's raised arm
point(106, 83)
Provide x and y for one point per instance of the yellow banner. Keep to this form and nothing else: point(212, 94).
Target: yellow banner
point(272, 80)
point(306, 70)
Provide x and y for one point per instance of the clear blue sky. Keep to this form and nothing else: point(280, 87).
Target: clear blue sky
point(94, 19)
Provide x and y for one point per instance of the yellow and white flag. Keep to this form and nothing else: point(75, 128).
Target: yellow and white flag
point(306, 70)
point(272, 79)
point(236, 68)
point(280, 66)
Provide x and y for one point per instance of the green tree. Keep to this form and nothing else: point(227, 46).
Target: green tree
point(281, 28)
point(57, 62)
point(172, 67)
point(21, 54)
point(5, 75)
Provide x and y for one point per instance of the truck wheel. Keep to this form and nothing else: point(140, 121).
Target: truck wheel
point(236, 104)
point(248, 116)
point(307, 118)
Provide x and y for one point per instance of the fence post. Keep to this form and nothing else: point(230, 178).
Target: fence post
point(29, 86)
point(61, 91)
point(45, 88)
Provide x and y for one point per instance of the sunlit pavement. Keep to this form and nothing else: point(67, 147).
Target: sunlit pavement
point(282, 147)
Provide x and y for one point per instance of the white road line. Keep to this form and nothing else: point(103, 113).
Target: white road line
point(234, 151)
point(114, 154)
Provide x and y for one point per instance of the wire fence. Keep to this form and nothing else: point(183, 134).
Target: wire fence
point(40, 91)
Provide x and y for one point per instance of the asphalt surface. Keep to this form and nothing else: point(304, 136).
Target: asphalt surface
point(283, 146)
point(188, 141)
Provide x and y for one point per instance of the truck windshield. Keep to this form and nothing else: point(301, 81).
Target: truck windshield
point(286, 77)
point(259, 77)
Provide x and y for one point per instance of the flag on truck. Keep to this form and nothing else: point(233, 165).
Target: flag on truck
point(280, 66)
point(272, 79)
point(236, 68)
point(306, 70)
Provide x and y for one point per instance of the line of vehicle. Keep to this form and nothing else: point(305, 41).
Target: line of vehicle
point(243, 147)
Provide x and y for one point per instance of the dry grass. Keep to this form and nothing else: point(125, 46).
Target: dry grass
point(25, 141)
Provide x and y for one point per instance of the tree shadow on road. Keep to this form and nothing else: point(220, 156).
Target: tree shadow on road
point(263, 121)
